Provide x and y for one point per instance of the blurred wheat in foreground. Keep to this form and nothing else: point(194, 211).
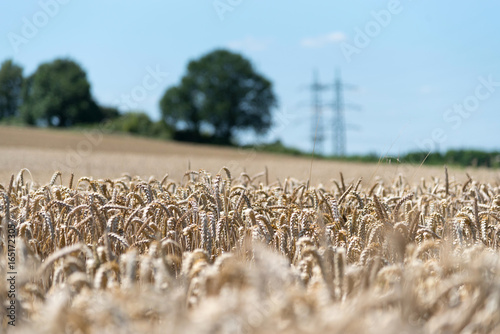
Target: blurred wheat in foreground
point(216, 254)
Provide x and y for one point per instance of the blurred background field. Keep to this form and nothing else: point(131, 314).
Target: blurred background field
point(45, 151)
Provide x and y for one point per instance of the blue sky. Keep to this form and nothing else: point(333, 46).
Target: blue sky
point(427, 72)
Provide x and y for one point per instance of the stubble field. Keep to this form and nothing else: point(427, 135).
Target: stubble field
point(239, 241)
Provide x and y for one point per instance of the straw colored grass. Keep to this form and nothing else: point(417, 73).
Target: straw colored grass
point(236, 253)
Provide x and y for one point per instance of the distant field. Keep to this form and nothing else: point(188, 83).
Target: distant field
point(45, 151)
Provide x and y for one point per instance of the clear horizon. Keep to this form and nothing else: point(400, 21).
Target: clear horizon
point(426, 74)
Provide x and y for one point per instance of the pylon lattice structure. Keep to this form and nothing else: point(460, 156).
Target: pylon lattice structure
point(339, 135)
point(317, 124)
point(338, 118)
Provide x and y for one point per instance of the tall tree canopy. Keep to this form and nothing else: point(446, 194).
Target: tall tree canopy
point(221, 90)
point(58, 94)
point(11, 80)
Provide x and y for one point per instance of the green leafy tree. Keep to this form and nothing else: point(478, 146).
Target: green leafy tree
point(110, 112)
point(221, 90)
point(58, 94)
point(11, 80)
point(139, 123)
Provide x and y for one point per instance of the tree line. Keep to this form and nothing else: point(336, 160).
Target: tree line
point(220, 95)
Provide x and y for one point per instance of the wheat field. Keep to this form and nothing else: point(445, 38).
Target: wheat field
point(102, 156)
point(230, 253)
point(263, 245)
